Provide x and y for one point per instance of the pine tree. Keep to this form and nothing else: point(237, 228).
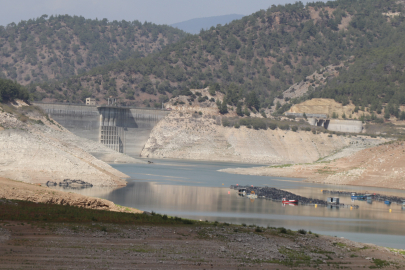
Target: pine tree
point(224, 108)
point(239, 109)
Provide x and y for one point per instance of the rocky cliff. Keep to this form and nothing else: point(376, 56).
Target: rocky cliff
point(191, 136)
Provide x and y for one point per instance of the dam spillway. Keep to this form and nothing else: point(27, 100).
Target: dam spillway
point(124, 129)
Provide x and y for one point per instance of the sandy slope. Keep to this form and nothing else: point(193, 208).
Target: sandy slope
point(380, 166)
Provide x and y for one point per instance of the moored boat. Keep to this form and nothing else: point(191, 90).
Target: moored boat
point(285, 201)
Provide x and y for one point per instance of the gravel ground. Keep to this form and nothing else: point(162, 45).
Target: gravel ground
point(108, 246)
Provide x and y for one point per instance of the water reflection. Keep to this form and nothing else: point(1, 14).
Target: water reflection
point(196, 190)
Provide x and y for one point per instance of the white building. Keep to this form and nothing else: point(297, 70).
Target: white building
point(90, 101)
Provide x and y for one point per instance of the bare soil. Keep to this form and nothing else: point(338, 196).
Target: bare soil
point(380, 166)
point(108, 246)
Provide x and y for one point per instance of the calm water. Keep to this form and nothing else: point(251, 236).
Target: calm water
point(197, 190)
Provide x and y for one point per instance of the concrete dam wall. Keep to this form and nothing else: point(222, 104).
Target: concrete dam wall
point(125, 130)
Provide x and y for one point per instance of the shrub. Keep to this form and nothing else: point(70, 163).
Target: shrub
point(187, 221)
point(379, 120)
point(258, 229)
point(282, 230)
point(272, 126)
point(307, 129)
point(225, 122)
point(284, 127)
point(10, 90)
point(294, 128)
point(164, 217)
point(237, 125)
point(302, 231)
point(258, 123)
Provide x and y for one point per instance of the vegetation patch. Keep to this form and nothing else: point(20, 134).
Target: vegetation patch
point(30, 211)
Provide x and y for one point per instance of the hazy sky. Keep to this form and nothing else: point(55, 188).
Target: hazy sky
point(156, 11)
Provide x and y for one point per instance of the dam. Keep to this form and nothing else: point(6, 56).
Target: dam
point(124, 129)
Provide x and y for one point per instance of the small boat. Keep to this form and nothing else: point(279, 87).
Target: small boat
point(242, 191)
point(358, 197)
point(387, 202)
point(252, 195)
point(285, 201)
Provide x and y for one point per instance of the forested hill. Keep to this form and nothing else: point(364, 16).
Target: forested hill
point(263, 53)
point(62, 46)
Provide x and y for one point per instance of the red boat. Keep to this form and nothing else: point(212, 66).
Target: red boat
point(285, 201)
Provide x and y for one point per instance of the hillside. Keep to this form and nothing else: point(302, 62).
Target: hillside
point(264, 53)
point(61, 46)
point(379, 166)
point(208, 136)
point(194, 26)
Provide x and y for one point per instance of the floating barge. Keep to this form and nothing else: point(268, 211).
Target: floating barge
point(288, 198)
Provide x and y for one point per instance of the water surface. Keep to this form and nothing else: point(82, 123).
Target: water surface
point(196, 190)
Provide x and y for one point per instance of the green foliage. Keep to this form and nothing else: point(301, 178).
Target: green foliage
point(239, 109)
point(233, 59)
point(10, 90)
point(272, 126)
point(30, 211)
point(282, 230)
point(66, 45)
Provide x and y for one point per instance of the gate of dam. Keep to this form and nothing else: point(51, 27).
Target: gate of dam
point(124, 129)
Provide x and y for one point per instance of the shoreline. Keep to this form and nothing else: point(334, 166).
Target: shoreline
point(17, 190)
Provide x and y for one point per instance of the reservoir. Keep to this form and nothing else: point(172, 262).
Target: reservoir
point(197, 190)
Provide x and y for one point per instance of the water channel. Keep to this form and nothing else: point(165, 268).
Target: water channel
point(196, 190)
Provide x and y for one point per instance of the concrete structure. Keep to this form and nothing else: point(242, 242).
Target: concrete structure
point(351, 126)
point(91, 101)
point(123, 129)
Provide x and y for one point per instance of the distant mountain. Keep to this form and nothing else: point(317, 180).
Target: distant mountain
point(61, 46)
point(194, 26)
